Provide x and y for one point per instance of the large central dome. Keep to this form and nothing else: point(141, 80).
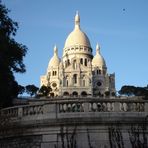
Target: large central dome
point(77, 37)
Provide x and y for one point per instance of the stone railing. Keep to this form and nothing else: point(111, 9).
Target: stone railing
point(47, 107)
point(19, 111)
point(32, 110)
point(103, 105)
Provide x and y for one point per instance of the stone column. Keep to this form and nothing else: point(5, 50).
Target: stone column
point(146, 107)
point(20, 112)
point(116, 106)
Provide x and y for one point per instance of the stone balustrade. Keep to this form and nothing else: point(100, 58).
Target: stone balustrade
point(19, 111)
point(42, 107)
point(103, 106)
point(32, 110)
point(52, 122)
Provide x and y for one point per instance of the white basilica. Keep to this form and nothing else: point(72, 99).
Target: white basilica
point(78, 72)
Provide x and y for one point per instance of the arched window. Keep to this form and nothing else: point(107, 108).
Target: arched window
point(66, 93)
point(85, 62)
point(97, 71)
point(84, 94)
point(75, 93)
point(81, 61)
point(75, 78)
point(54, 73)
point(66, 82)
point(68, 62)
point(74, 64)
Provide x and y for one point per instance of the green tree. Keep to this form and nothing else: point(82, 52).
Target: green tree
point(135, 91)
point(31, 90)
point(127, 90)
point(11, 58)
point(107, 93)
point(21, 89)
point(44, 90)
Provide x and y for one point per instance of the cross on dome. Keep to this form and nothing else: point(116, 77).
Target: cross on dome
point(55, 50)
point(97, 49)
point(77, 20)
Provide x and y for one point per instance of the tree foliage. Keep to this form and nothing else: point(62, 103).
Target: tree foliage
point(31, 89)
point(11, 58)
point(45, 90)
point(135, 91)
point(21, 89)
point(107, 93)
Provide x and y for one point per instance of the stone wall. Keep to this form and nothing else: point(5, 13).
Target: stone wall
point(97, 123)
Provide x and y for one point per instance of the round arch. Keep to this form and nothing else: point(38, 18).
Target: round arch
point(75, 93)
point(66, 93)
point(84, 93)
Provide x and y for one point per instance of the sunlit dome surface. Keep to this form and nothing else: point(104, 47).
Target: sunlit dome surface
point(55, 60)
point(77, 37)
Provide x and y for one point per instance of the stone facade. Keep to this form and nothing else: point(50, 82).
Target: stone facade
point(78, 73)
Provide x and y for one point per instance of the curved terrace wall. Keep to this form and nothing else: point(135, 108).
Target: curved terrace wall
point(71, 122)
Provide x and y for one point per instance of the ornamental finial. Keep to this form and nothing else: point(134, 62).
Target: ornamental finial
point(77, 20)
point(97, 49)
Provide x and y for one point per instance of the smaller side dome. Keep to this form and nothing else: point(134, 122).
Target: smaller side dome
point(55, 60)
point(98, 60)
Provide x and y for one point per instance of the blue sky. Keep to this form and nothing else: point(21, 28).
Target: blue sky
point(119, 26)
